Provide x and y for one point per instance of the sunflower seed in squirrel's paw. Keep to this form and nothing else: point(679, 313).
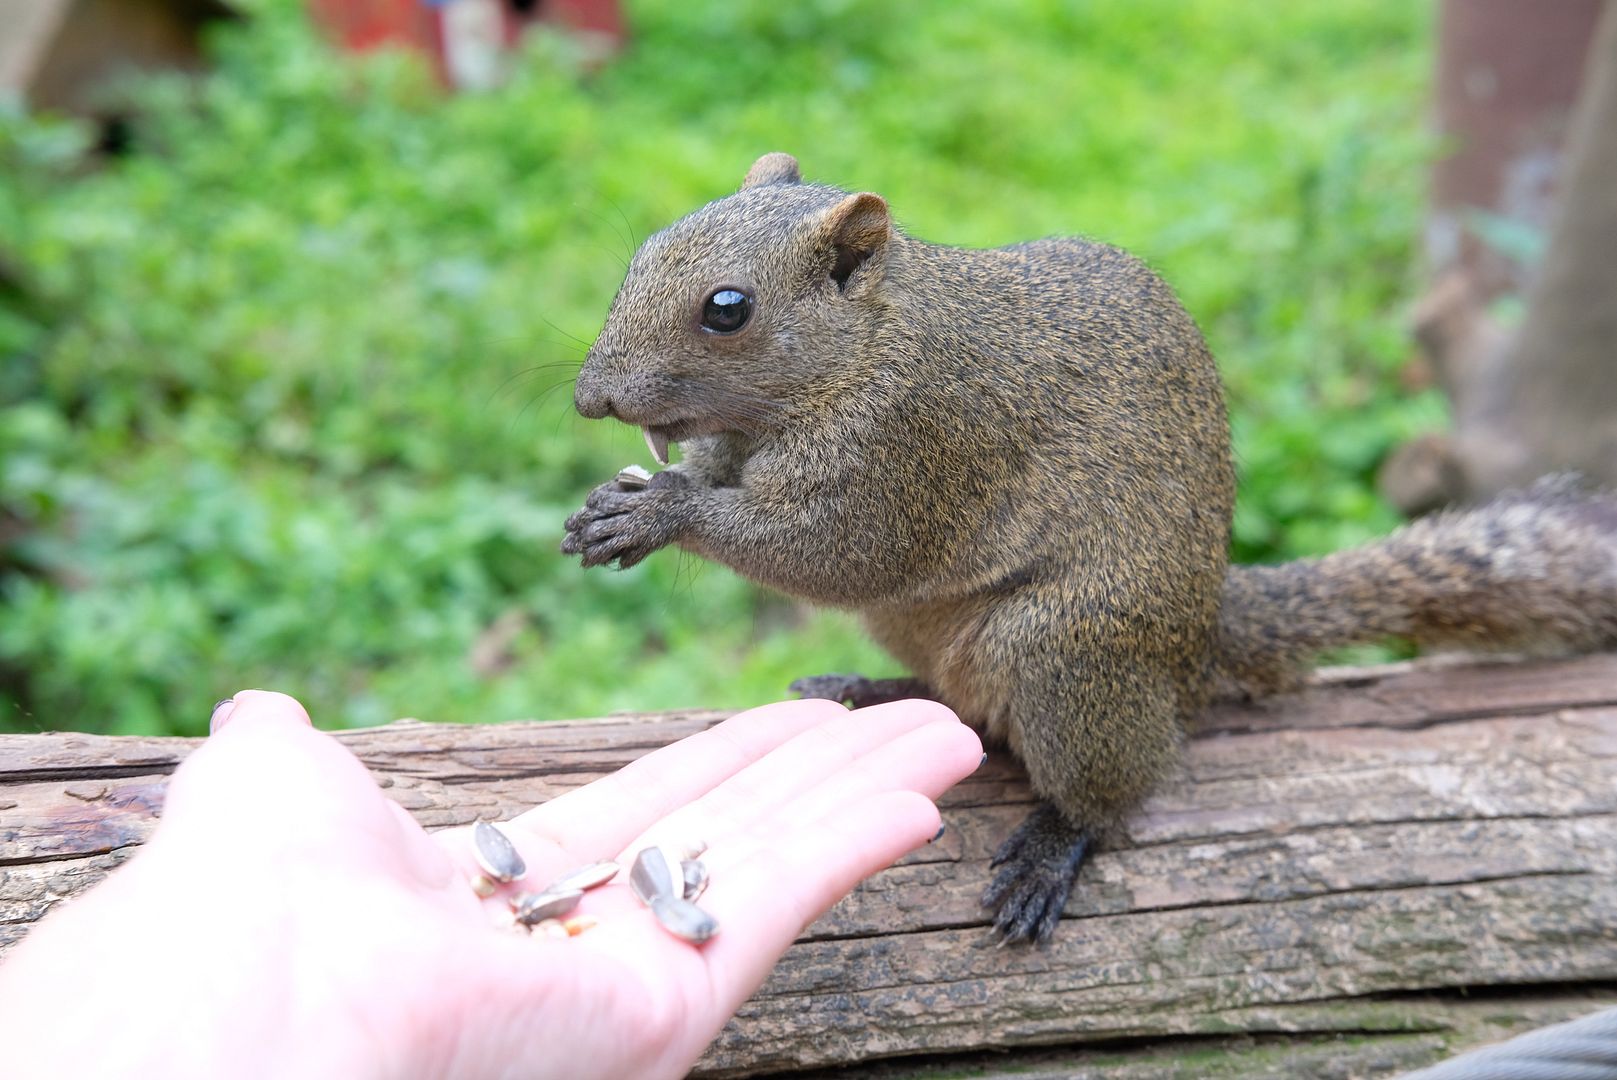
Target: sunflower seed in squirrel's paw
point(633, 477)
point(495, 854)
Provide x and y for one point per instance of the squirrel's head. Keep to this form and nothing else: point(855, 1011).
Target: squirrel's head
point(744, 311)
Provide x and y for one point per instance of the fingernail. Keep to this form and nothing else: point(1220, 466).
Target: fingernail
point(221, 714)
point(938, 835)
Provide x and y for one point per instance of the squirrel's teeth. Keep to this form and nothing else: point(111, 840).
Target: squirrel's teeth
point(658, 445)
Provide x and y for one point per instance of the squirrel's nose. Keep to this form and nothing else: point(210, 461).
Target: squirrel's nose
point(591, 404)
point(590, 398)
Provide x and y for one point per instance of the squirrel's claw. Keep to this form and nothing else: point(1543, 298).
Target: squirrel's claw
point(827, 687)
point(617, 524)
point(858, 691)
point(1040, 860)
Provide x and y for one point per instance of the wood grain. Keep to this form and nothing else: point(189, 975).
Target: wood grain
point(1352, 881)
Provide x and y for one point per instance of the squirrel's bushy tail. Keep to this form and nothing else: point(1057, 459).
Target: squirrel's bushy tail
point(1532, 571)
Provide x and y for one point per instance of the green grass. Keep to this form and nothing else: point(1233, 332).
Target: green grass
point(283, 398)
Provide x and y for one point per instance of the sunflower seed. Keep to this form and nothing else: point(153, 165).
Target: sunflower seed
point(531, 908)
point(684, 919)
point(587, 877)
point(578, 924)
point(495, 854)
point(550, 928)
point(483, 886)
point(694, 871)
point(650, 877)
point(633, 477)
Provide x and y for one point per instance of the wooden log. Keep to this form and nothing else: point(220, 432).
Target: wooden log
point(1362, 878)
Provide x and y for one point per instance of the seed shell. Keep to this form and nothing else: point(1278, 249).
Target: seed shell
point(650, 877)
point(483, 886)
point(684, 919)
point(587, 877)
point(495, 853)
point(633, 477)
point(694, 871)
point(531, 908)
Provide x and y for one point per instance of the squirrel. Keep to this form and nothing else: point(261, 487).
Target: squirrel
point(1015, 465)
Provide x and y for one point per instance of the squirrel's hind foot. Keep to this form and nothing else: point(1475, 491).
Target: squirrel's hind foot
point(858, 691)
point(1040, 860)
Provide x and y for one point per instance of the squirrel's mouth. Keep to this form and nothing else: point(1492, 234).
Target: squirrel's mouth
point(658, 436)
point(657, 443)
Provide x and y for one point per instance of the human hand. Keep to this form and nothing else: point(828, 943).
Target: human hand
point(289, 919)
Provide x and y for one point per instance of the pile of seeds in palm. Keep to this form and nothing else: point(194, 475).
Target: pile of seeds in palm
point(672, 899)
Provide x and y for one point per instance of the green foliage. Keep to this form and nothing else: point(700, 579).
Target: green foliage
point(283, 392)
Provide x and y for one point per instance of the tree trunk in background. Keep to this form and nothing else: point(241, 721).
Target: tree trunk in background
point(1542, 396)
point(1506, 81)
point(1547, 399)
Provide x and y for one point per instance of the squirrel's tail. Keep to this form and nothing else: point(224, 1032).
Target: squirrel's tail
point(1532, 571)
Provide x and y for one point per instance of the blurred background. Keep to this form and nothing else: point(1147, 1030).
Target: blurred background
point(288, 318)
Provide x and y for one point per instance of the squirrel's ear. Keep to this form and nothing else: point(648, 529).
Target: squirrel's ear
point(857, 227)
point(774, 168)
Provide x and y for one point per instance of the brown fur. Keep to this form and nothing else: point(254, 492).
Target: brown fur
point(1014, 464)
point(1533, 571)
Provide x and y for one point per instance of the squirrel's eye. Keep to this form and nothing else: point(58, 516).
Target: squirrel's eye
point(726, 311)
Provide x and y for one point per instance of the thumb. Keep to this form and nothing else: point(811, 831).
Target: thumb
point(265, 761)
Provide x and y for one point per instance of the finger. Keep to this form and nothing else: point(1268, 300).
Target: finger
point(268, 771)
point(612, 499)
point(912, 745)
point(602, 529)
point(928, 760)
point(765, 900)
point(768, 869)
point(599, 554)
point(598, 820)
point(762, 905)
point(632, 557)
point(221, 714)
point(640, 959)
point(258, 707)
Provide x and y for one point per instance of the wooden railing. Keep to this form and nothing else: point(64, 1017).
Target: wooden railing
point(1395, 864)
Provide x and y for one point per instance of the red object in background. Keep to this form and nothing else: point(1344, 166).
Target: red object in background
point(465, 38)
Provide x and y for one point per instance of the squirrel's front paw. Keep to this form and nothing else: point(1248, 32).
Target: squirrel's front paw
point(619, 524)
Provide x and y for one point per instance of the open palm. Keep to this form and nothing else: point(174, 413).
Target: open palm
point(287, 905)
